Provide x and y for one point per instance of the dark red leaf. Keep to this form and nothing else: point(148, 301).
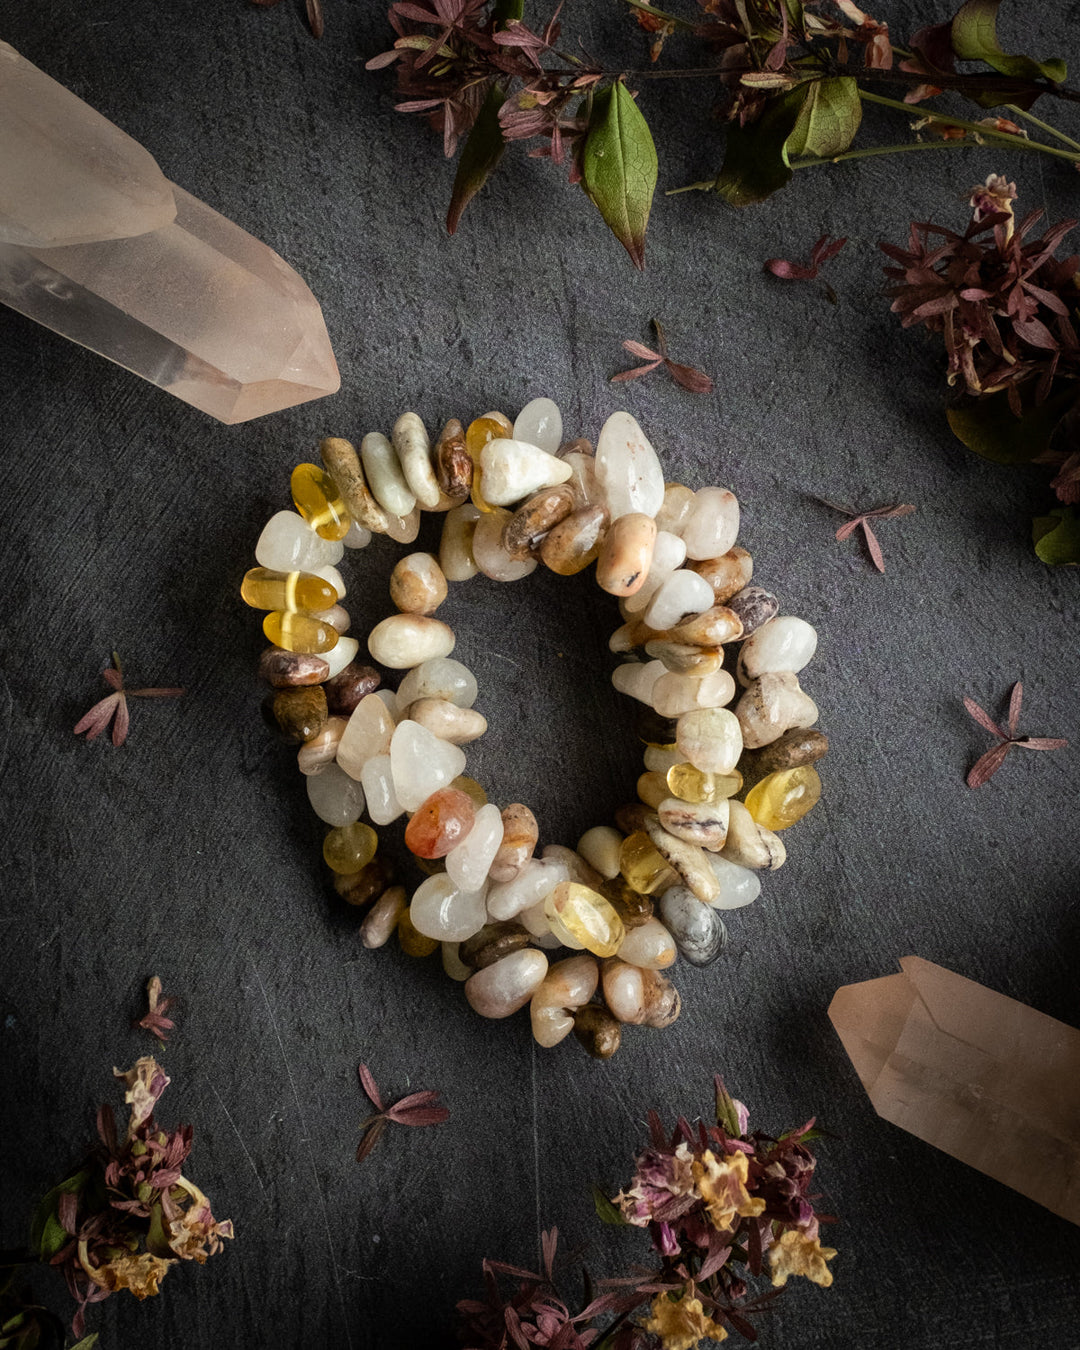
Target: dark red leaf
point(983, 718)
point(371, 1137)
point(367, 1082)
point(98, 718)
point(1041, 743)
point(985, 768)
point(1015, 701)
point(637, 371)
point(315, 18)
point(876, 555)
point(690, 378)
point(121, 721)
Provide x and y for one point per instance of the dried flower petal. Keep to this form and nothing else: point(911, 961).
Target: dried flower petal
point(417, 1109)
point(687, 377)
point(985, 767)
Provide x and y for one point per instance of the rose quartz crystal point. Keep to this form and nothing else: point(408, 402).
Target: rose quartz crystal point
point(984, 1078)
point(96, 244)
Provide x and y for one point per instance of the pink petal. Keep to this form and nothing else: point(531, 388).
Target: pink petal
point(820, 254)
point(848, 528)
point(122, 721)
point(367, 1082)
point(1041, 743)
point(98, 718)
point(983, 718)
point(639, 349)
point(636, 372)
point(789, 271)
point(112, 677)
point(156, 692)
point(985, 768)
point(420, 1115)
point(1015, 700)
point(876, 555)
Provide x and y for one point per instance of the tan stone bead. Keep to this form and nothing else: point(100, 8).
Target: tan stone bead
point(417, 584)
point(711, 629)
point(577, 869)
point(566, 987)
point(682, 658)
point(701, 823)
point(652, 789)
point(405, 640)
point(574, 543)
point(641, 997)
point(358, 888)
point(535, 518)
point(600, 849)
point(455, 548)
point(727, 574)
point(773, 703)
point(520, 835)
point(316, 755)
point(687, 859)
point(446, 720)
point(382, 918)
point(749, 844)
point(453, 463)
point(626, 554)
point(501, 989)
point(343, 464)
point(492, 943)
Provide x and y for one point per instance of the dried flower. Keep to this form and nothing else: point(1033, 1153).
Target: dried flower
point(721, 1183)
point(860, 520)
point(154, 1020)
point(824, 250)
point(418, 1108)
point(796, 1253)
point(682, 1323)
point(985, 768)
point(114, 706)
point(688, 377)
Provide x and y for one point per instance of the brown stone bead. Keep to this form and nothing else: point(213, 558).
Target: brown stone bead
point(344, 467)
point(711, 629)
point(358, 888)
point(597, 1030)
point(574, 543)
point(531, 522)
point(651, 728)
point(520, 833)
point(285, 669)
point(349, 686)
point(453, 463)
point(298, 714)
point(631, 906)
point(801, 745)
point(492, 943)
point(632, 816)
point(727, 574)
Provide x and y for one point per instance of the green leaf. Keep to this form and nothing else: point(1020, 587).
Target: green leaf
point(726, 1115)
point(1057, 537)
point(480, 156)
point(506, 11)
point(755, 165)
point(619, 167)
point(47, 1235)
point(606, 1211)
point(87, 1342)
point(990, 428)
point(827, 121)
point(974, 38)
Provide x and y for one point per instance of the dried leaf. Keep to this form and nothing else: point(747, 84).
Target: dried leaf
point(371, 1137)
point(315, 18)
point(985, 768)
point(367, 1082)
point(983, 718)
point(1015, 700)
point(876, 555)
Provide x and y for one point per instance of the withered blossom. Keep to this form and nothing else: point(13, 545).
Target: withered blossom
point(154, 1019)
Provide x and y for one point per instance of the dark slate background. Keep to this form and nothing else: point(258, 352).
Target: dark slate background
point(128, 519)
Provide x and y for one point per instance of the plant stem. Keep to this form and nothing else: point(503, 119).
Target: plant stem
point(1043, 126)
point(987, 133)
point(660, 14)
point(899, 149)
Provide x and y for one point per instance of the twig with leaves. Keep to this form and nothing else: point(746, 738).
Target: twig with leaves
point(985, 767)
point(418, 1108)
point(113, 708)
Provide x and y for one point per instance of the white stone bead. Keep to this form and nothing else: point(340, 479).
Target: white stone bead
point(600, 848)
point(468, 862)
point(440, 909)
point(289, 544)
point(334, 577)
point(487, 547)
point(378, 784)
point(501, 989)
point(336, 617)
point(678, 502)
point(459, 726)
point(405, 640)
point(738, 885)
point(712, 525)
point(540, 423)
point(413, 448)
point(404, 529)
point(368, 733)
point(772, 704)
point(784, 643)
point(536, 880)
point(455, 548)
point(535, 919)
point(649, 946)
point(628, 469)
point(658, 759)
point(383, 471)
point(421, 763)
point(358, 536)
point(710, 739)
point(335, 797)
point(441, 677)
point(681, 596)
point(452, 963)
point(669, 552)
point(674, 695)
point(638, 680)
point(392, 702)
point(582, 479)
point(565, 988)
point(513, 470)
point(341, 654)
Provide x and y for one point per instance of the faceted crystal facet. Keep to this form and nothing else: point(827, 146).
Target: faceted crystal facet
point(97, 245)
point(984, 1078)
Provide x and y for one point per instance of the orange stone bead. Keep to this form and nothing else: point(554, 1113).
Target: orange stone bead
point(440, 822)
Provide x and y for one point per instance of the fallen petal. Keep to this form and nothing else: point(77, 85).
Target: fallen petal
point(876, 555)
point(985, 768)
point(1040, 743)
point(367, 1082)
point(983, 718)
point(1015, 700)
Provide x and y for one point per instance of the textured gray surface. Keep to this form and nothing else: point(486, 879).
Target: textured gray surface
point(127, 521)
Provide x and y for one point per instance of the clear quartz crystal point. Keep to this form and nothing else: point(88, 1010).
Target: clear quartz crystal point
point(991, 1081)
point(96, 244)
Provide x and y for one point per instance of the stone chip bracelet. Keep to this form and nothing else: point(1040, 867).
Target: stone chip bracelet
point(720, 782)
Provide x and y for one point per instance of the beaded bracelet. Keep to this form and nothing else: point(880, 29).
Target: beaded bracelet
point(719, 784)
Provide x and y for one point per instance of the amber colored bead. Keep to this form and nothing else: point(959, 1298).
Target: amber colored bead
point(297, 714)
point(414, 943)
point(299, 632)
point(652, 789)
point(492, 426)
point(264, 588)
point(318, 499)
point(574, 543)
point(440, 823)
point(587, 916)
point(693, 785)
point(643, 866)
point(471, 789)
point(350, 847)
point(359, 888)
point(631, 906)
point(784, 797)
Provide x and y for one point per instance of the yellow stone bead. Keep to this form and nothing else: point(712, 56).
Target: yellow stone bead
point(414, 943)
point(490, 427)
point(263, 588)
point(692, 785)
point(586, 916)
point(471, 789)
point(643, 866)
point(316, 496)
point(299, 632)
point(350, 847)
point(784, 797)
